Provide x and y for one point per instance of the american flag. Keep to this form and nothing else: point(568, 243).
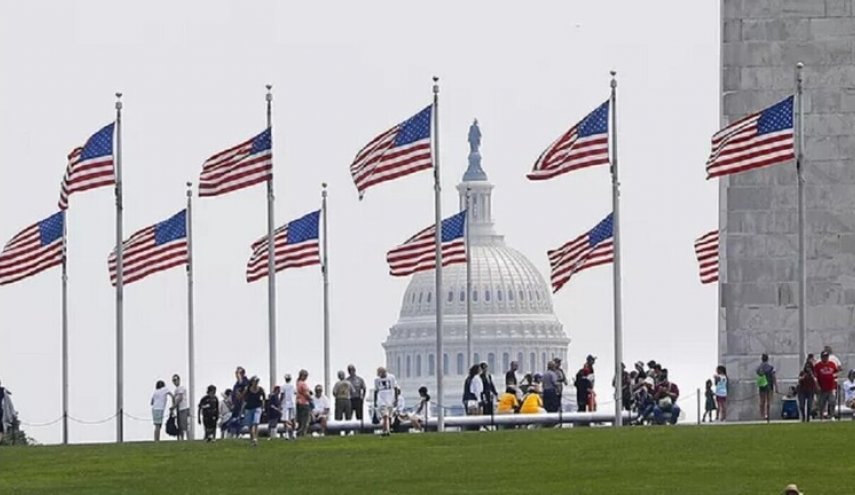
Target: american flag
point(593, 248)
point(761, 139)
point(402, 150)
point(706, 249)
point(295, 244)
point(89, 166)
point(418, 253)
point(586, 144)
point(153, 249)
point(244, 165)
point(36, 248)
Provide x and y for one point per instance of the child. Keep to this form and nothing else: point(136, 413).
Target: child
point(721, 392)
point(709, 407)
point(209, 412)
point(274, 412)
point(225, 412)
point(289, 408)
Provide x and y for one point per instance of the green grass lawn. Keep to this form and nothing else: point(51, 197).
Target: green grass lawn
point(735, 459)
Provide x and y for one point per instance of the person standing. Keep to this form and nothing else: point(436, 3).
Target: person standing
point(721, 393)
point(766, 384)
point(473, 388)
point(342, 392)
point(289, 408)
point(253, 404)
point(832, 357)
point(357, 398)
point(849, 391)
point(274, 412)
point(826, 376)
point(561, 380)
point(181, 404)
point(806, 391)
point(158, 406)
point(511, 377)
point(584, 384)
point(384, 397)
point(550, 388)
point(208, 412)
point(304, 403)
point(489, 393)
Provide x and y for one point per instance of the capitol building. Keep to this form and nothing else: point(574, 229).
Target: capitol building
point(512, 314)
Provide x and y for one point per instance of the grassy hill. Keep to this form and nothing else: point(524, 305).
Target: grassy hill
point(731, 459)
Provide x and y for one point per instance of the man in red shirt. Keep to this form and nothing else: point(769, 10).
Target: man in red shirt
point(826, 374)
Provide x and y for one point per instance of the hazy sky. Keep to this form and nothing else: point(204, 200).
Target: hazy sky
point(193, 75)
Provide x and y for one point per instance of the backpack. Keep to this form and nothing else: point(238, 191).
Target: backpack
point(762, 379)
point(172, 425)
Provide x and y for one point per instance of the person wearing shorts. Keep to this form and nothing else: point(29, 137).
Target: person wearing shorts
point(158, 406)
point(181, 403)
point(765, 385)
point(289, 408)
point(384, 397)
point(253, 403)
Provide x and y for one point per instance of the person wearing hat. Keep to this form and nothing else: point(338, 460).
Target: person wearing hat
point(792, 489)
point(826, 375)
point(289, 407)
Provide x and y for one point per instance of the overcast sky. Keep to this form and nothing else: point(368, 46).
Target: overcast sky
point(193, 75)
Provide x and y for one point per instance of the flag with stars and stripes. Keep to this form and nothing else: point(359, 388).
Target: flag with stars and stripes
point(402, 150)
point(706, 249)
point(244, 165)
point(761, 139)
point(418, 253)
point(586, 144)
point(295, 244)
point(153, 249)
point(593, 248)
point(36, 248)
point(89, 166)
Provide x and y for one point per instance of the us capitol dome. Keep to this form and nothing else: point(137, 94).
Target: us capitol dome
point(512, 313)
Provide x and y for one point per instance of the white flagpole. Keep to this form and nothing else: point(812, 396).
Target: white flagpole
point(325, 269)
point(468, 280)
point(119, 278)
point(437, 188)
point(801, 192)
point(64, 329)
point(191, 352)
point(616, 268)
point(271, 264)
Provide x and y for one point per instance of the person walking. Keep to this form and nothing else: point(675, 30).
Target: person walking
point(304, 403)
point(253, 404)
point(181, 404)
point(806, 391)
point(241, 381)
point(208, 412)
point(225, 412)
point(158, 406)
point(826, 376)
point(721, 384)
point(357, 398)
point(384, 397)
point(342, 392)
point(766, 384)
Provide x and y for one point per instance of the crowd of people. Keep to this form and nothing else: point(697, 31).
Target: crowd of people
point(295, 409)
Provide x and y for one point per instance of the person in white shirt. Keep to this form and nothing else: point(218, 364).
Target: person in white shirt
point(181, 404)
point(476, 388)
point(849, 391)
point(320, 409)
point(289, 408)
point(158, 405)
point(384, 397)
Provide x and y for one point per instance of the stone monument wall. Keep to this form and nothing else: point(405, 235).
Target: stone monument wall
point(761, 42)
